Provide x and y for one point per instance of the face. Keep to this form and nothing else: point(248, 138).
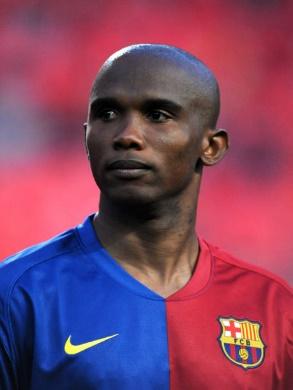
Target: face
point(143, 135)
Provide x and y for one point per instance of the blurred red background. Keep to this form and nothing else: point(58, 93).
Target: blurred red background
point(50, 53)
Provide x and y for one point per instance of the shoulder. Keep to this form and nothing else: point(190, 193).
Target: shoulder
point(252, 275)
point(29, 279)
point(32, 258)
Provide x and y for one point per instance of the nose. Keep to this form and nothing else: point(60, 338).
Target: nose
point(130, 135)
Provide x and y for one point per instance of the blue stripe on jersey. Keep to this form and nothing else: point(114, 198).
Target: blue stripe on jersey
point(250, 357)
point(238, 358)
point(70, 286)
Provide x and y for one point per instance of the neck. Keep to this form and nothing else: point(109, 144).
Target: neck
point(155, 243)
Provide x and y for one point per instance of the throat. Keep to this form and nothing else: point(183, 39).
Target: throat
point(164, 276)
point(162, 287)
point(161, 253)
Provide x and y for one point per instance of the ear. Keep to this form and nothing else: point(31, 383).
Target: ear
point(86, 148)
point(215, 144)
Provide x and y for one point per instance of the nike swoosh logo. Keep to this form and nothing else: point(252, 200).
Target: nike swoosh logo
point(71, 349)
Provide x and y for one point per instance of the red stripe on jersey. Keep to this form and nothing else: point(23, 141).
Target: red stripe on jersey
point(244, 334)
point(242, 330)
point(253, 332)
point(192, 331)
point(248, 331)
point(253, 354)
point(233, 351)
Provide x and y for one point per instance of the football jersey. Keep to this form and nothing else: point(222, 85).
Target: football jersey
point(72, 318)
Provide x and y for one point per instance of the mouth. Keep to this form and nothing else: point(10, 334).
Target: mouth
point(128, 169)
point(127, 164)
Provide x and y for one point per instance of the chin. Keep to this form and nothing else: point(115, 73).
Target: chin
point(131, 197)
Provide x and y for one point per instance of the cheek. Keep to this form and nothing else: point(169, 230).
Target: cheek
point(93, 141)
point(180, 152)
point(95, 146)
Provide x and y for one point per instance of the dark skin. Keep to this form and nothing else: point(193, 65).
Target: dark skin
point(147, 145)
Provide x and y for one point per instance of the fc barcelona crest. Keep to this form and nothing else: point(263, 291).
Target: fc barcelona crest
point(241, 342)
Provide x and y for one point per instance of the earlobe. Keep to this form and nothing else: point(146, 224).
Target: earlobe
point(214, 146)
point(85, 144)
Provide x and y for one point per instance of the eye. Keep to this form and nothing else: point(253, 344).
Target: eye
point(158, 116)
point(107, 115)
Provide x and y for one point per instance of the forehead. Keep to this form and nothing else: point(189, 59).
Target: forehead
point(142, 77)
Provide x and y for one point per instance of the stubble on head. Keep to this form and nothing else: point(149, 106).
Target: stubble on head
point(204, 87)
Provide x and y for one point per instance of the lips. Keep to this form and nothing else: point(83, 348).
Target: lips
point(127, 164)
point(128, 169)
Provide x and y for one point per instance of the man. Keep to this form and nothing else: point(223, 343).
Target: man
point(132, 298)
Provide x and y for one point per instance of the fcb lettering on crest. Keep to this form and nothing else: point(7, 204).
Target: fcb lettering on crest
point(241, 342)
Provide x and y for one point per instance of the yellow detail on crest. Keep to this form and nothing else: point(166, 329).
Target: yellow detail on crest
point(243, 354)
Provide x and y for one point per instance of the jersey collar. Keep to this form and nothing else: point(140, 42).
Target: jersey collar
point(197, 284)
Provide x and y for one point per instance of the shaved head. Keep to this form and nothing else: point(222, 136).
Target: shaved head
point(156, 105)
point(202, 87)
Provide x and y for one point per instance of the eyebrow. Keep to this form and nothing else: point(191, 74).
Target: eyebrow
point(162, 103)
point(102, 102)
point(147, 104)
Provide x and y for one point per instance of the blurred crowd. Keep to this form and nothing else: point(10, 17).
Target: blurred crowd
point(50, 52)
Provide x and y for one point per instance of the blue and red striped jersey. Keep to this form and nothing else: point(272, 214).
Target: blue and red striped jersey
point(72, 318)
